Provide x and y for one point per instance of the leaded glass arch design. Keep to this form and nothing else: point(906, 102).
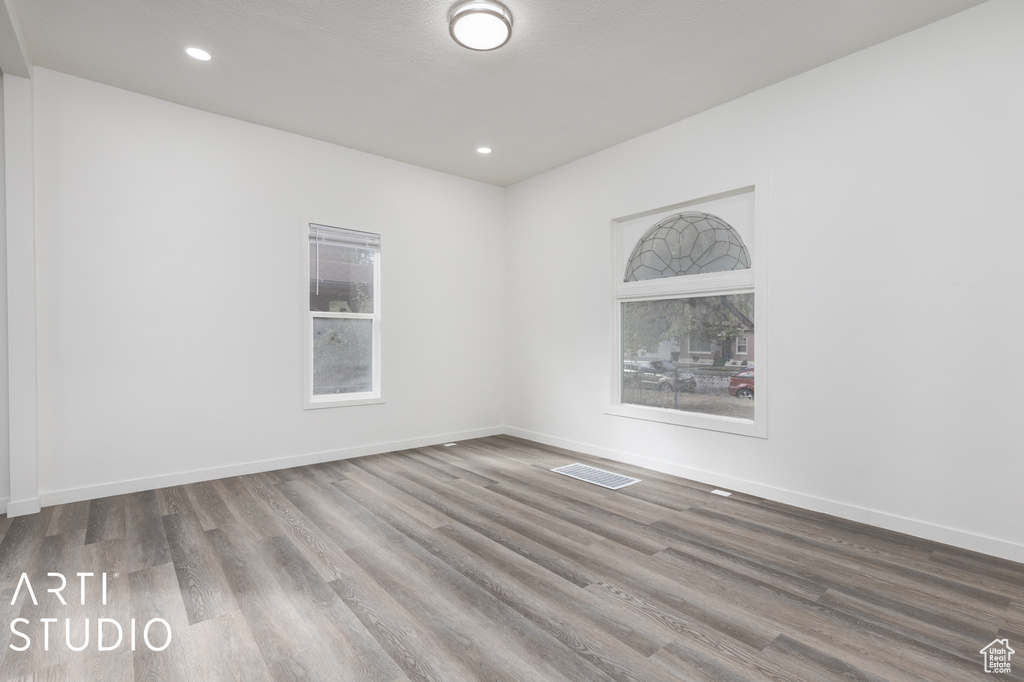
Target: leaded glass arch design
point(687, 244)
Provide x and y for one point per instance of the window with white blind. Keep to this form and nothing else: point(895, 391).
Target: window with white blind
point(343, 325)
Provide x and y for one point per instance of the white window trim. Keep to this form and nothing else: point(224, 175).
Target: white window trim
point(746, 341)
point(754, 280)
point(374, 397)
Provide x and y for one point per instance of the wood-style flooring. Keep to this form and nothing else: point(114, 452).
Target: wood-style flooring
point(475, 562)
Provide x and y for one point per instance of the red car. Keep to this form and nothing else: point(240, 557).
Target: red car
point(741, 384)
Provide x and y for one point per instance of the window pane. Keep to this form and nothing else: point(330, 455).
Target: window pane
point(342, 356)
point(678, 354)
point(689, 243)
point(340, 278)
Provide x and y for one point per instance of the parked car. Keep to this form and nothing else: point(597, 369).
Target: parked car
point(741, 384)
point(658, 374)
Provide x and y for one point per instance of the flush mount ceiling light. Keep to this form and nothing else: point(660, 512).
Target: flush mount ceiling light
point(480, 24)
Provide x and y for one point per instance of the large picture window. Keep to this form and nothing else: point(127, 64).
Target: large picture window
point(343, 364)
point(690, 314)
point(697, 382)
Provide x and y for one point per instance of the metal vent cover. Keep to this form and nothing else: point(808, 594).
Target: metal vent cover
point(605, 479)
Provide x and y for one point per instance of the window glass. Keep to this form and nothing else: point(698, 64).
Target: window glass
point(699, 342)
point(663, 333)
point(689, 243)
point(341, 270)
point(342, 279)
point(342, 356)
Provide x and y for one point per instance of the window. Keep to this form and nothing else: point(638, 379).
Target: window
point(343, 364)
point(689, 299)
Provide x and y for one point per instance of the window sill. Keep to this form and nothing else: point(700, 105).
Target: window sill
point(355, 399)
point(741, 427)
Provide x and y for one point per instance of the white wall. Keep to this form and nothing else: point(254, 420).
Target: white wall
point(895, 260)
point(170, 297)
point(5, 446)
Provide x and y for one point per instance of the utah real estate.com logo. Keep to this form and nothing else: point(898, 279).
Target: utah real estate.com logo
point(997, 656)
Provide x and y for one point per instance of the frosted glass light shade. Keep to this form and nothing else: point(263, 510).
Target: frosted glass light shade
point(480, 24)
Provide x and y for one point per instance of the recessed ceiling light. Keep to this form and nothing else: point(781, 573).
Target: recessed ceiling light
point(198, 53)
point(484, 150)
point(480, 24)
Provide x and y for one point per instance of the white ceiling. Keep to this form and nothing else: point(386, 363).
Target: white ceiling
point(383, 76)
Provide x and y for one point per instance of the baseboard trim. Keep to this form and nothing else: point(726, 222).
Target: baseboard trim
point(922, 529)
point(123, 487)
point(22, 507)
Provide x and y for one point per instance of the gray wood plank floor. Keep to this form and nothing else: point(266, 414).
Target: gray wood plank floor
point(475, 562)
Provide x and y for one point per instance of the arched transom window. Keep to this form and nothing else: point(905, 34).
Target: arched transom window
point(687, 244)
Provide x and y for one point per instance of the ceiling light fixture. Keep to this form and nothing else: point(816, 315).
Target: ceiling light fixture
point(484, 150)
point(480, 24)
point(198, 53)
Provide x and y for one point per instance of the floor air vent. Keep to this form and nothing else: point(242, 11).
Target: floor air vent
point(605, 479)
